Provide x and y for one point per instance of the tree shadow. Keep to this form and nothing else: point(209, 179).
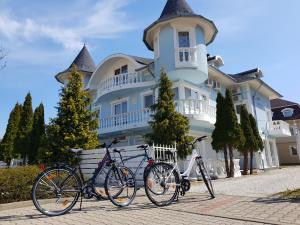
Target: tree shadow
point(275, 200)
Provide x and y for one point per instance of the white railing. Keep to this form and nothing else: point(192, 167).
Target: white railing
point(159, 153)
point(117, 82)
point(280, 128)
point(197, 109)
point(186, 57)
point(125, 121)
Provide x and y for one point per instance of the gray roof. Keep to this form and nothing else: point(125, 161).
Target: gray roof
point(253, 74)
point(141, 60)
point(279, 103)
point(174, 9)
point(84, 61)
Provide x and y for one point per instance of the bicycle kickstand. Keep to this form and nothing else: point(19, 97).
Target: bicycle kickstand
point(80, 202)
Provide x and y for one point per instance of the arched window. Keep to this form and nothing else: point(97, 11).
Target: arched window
point(288, 112)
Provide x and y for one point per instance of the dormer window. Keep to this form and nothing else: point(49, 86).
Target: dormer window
point(288, 112)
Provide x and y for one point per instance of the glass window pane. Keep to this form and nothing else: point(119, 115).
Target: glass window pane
point(188, 93)
point(184, 39)
point(124, 107)
point(124, 69)
point(117, 72)
point(176, 93)
point(118, 109)
point(148, 101)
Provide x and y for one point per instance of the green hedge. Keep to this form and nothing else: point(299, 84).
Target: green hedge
point(16, 183)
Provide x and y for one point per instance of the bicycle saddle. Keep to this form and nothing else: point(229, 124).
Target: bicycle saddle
point(143, 146)
point(76, 151)
point(119, 150)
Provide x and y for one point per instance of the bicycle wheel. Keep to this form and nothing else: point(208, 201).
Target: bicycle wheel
point(206, 178)
point(162, 184)
point(99, 183)
point(56, 191)
point(120, 186)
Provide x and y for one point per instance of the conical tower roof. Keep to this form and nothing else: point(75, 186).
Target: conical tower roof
point(176, 9)
point(84, 61)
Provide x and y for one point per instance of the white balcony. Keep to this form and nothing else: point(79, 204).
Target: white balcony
point(186, 57)
point(280, 128)
point(123, 81)
point(197, 109)
point(125, 121)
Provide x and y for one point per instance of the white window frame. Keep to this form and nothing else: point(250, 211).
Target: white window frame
point(287, 110)
point(192, 35)
point(116, 102)
point(97, 108)
point(156, 46)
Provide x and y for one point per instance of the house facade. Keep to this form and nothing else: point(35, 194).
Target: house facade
point(125, 86)
point(287, 115)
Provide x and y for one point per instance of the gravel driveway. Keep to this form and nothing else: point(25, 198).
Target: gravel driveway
point(262, 185)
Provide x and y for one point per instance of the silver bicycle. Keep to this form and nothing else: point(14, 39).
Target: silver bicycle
point(164, 182)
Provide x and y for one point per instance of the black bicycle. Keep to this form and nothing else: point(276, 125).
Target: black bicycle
point(57, 189)
point(164, 182)
point(120, 182)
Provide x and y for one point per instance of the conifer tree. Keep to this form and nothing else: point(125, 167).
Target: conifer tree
point(37, 134)
point(75, 126)
point(234, 133)
point(168, 126)
point(7, 146)
point(258, 139)
point(23, 142)
point(250, 141)
point(219, 133)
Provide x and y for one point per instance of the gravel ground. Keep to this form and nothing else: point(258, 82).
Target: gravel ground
point(262, 185)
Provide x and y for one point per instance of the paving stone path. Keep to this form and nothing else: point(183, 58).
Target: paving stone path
point(195, 208)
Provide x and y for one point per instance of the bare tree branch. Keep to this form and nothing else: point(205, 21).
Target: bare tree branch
point(2, 58)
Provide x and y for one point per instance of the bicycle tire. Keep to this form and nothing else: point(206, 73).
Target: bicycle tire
point(206, 178)
point(116, 199)
point(37, 182)
point(149, 190)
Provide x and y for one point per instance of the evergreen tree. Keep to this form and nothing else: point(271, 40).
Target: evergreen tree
point(258, 139)
point(234, 133)
point(168, 126)
point(219, 133)
point(250, 141)
point(23, 142)
point(7, 146)
point(75, 126)
point(37, 134)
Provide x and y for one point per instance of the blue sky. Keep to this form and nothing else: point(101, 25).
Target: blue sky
point(41, 39)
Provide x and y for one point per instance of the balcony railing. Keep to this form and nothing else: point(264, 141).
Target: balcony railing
point(280, 128)
point(186, 57)
point(125, 121)
point(197, 109)
point(122, 81)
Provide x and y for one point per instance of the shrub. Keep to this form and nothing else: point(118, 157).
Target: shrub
point(16, 183)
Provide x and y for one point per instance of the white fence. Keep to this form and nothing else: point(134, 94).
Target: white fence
point(91, 158)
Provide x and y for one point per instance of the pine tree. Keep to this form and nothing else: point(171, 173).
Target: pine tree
point(168, 126)
point(23, 142)
point(75, 126)
point(258, 139)
point(219, 133)
point(7, 146)
point(234, 132)
point(37, 134)
point(249, 137)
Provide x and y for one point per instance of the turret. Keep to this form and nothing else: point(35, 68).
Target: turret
point(179, 39)
point(85, 65)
